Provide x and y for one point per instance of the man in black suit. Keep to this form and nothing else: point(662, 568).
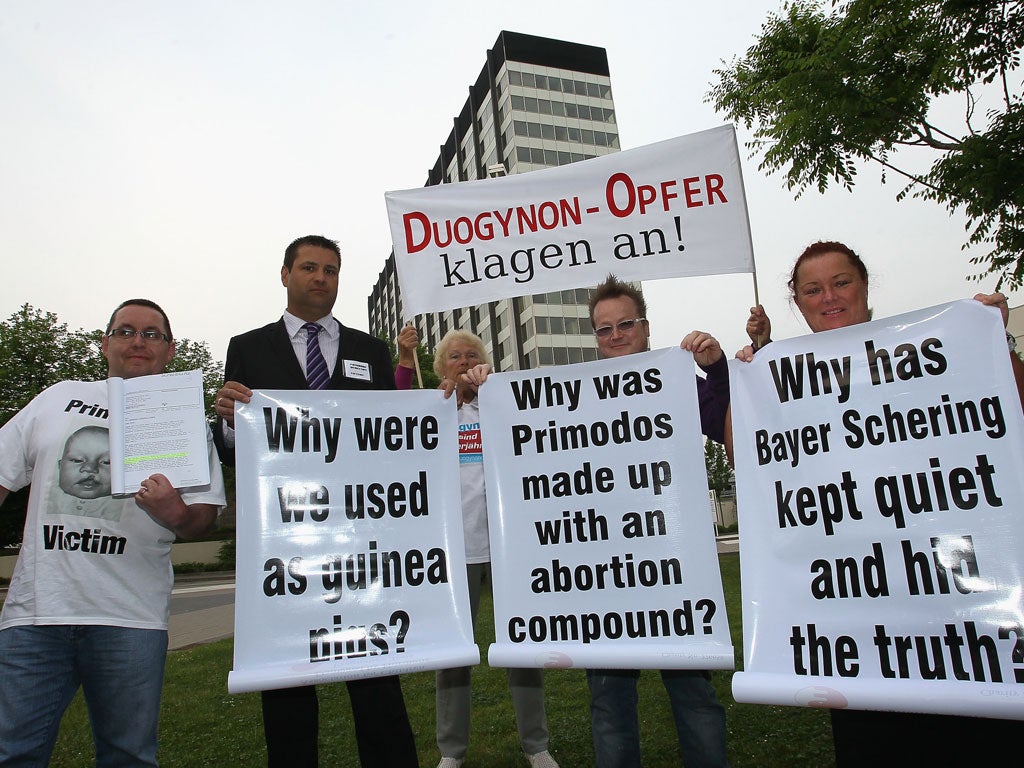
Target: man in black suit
point(309, 342)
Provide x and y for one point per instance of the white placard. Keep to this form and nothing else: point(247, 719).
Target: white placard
point(879, 490)
point(350, 557)
point(602, 548)
point(671, 209)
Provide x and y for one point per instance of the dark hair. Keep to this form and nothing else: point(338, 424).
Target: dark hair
point(613, 288)
point(140, 303)
point(820, 248)
point(318, 241)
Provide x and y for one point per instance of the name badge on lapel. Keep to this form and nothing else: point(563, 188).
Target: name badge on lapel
point(356, 369)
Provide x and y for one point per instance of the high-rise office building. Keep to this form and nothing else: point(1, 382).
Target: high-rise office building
point(536, 103)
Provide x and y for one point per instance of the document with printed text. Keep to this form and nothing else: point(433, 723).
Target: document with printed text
point(157, 425)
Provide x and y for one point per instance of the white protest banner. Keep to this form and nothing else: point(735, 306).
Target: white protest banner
point(350, 558)
point(671, 209)
point(602, 548)
point(879, 494)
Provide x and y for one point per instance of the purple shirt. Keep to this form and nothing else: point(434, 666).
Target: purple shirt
point(713, 399)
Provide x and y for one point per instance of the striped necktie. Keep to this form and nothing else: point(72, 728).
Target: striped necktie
point(316, 367)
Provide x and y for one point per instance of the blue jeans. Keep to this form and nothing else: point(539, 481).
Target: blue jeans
point(614, 717)
point(121, 672)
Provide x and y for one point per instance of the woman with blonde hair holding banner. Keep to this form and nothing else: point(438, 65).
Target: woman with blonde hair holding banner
point(461, 362)
point(829, 285)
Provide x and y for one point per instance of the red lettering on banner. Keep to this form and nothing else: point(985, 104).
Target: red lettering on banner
point(625, 197)
point(421, 231)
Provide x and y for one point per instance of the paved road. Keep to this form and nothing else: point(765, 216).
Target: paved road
point(202, 609)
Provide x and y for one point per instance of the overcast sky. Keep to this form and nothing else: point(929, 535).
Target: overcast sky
point(172, 149)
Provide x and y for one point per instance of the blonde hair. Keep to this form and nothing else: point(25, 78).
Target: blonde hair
point(457, 334)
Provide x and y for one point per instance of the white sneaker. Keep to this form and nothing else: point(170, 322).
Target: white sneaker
point(542, 760)
point(450, 762)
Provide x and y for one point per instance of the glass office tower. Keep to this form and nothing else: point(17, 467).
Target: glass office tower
point(536, 103)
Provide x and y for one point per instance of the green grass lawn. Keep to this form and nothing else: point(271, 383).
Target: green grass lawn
point(203, 725)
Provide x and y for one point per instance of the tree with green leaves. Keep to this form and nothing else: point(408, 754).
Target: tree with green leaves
point(37, 351)
point(827, 86)
point(717, 465)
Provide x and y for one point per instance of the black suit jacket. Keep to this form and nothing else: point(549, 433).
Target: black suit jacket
point(264, 358)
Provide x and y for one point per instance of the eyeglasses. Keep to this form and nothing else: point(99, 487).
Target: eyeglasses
point(624, 326)
point(129, 333)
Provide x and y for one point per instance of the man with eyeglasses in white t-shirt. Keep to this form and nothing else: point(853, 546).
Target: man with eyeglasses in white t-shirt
point(90, 597)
